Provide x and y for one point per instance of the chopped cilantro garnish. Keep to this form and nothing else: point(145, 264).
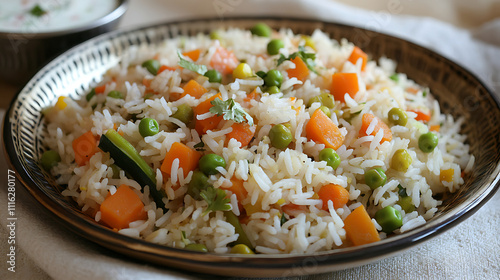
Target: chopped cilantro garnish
point(200, 69)
point(200, 146)
point(216, 199)
point(37, 11)
point(283, 219)
point(308, 58)
point(425, 92)
point(231, 110)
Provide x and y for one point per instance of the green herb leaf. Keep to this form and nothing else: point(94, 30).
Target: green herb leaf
point(200, 146)
point(200, 69)
point(216, 199)
point(184, 238)
point(308, 58)
point(231, 110)
point(37, 11)
point(394, 77)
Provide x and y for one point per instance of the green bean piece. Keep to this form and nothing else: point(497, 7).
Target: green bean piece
point(401, 160)
point(49, 159)
point(331, 157)
point(375, 177)
point(148, 127)
point(152, 66)
point(242, 236)
point(241, 249)
point(115, 94)
point(199, 182)
point(184, 113)
point(280, 136)
point(90, 95)
point(324, 98)
point(427, 142)
point(209, 162)
point(196, 247)
point(274, 46)
point(389, 219)
point(273, 78)
point(397, 116)
point(213, 76)
point(261, 29)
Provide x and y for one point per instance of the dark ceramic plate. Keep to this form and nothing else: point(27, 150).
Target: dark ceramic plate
point(459, 93)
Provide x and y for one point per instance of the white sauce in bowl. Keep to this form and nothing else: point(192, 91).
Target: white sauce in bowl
point(57, 15)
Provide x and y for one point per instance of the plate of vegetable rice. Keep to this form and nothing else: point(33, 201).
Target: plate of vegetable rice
point(258, 147)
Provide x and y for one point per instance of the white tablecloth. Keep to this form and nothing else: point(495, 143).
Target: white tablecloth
point(45, 249)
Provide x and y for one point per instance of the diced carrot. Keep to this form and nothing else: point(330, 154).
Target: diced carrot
point(194, 54)
point(435, 128)
point(194, 89)
point(293, 210)
point(147, 82)
point(251, 96)
point(343, 83)
point(122, 208)
point(84, 148)
point(239, 190)
point(300, 71)
point(100, 89)
point(202, 126)
point(165, 68)
point(188, 158)
point(412, 90)
point(446, 175)
point(224, 61)
point(421, 115)
point(322, 130)
point(356, 54)
point(360, 228)
point(337, 194)
point(365, 123)
point(242, 132)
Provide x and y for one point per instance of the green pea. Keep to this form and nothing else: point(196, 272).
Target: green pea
point(209, 162)
point(326, 111)
point(49, 159)
point(214, 35)
point(280, 136)
point(273, 90)
point(184, 113)
point(375, 177)
point(389, 219)
point(330, 156)
point(90, 95)
point(199, 182)
point(115, 94)
point(261, 29)
point(196, 247)
point(427, 142)
point(213, 76)
point(241, 249)
point(148, 127)
point(273, 78)
point(397, 116)
point(406, 204)
point(274, 46)
point(401, 160)
point(324, 98)
point(152, 66)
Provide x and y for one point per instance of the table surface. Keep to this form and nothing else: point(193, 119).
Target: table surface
point(458, 13)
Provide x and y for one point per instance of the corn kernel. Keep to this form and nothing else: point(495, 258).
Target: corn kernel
point(61, 104)
point(446, 175)
point(280, 201)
